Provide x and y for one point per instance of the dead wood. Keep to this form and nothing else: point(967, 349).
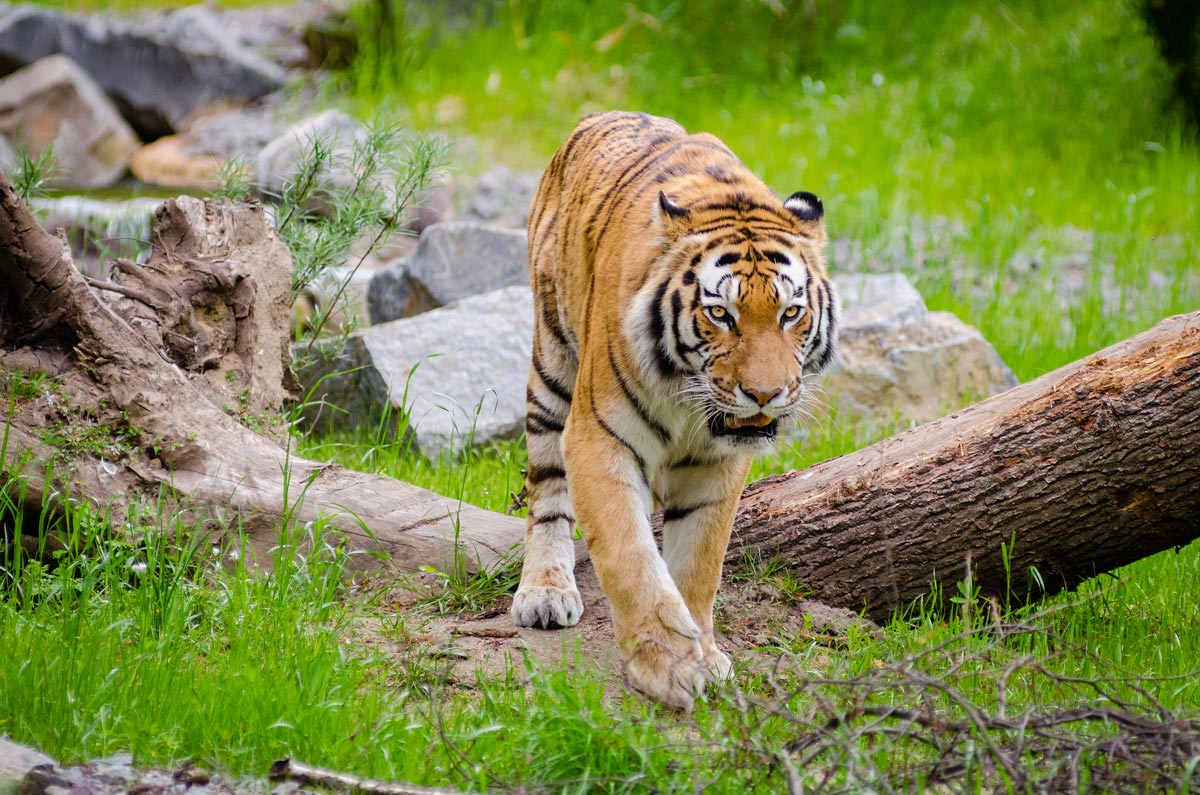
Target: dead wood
point(127, 425)
point(1083, 470)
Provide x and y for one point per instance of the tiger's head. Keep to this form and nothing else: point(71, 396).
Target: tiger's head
point(745, 314)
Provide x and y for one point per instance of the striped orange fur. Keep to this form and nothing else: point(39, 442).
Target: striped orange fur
point(680, 308)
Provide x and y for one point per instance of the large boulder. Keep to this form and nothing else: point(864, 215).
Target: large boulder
point(53, 103)
point(453, 260)
point(160, 70)
point(457, 374)
point(898, 359)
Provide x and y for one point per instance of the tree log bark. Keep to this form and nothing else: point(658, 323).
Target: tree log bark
point(1083, 470)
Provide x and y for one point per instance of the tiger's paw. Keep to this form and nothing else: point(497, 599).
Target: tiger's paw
point(665, 674)
point(547, 607)
point(665, 657)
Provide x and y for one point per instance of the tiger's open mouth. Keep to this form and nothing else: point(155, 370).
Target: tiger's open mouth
point(756, 426)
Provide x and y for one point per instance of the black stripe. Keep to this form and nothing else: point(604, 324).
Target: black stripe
point(641, 462)
point(675, 514)
point(728, 259)
point(825, 354)
point(658, 332)
point(532, 398)
point(681, 349)
point(627, 178)
point(533, 428)
point(642, 412)
point(721, 175)
point(689, 462)
point(550, 423)
point(541, 474)
point(553, 517)
point(740, 204)
point(647, 157)
point(553, 384)
point(550, 321)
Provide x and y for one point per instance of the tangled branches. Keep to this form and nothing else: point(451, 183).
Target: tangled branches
point(975, 714)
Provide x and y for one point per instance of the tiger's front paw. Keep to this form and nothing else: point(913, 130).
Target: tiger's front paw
point(665, 675)
point(547, 606)
point(665, 659)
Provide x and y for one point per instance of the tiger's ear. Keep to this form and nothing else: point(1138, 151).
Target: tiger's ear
point(808, 208)
point(675, 219)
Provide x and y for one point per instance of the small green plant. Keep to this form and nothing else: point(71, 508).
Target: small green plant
point(773, 573)
point(345, 200)
point(460, 589)
point(31, 174)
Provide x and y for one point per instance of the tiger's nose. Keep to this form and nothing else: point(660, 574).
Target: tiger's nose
point(763, 397)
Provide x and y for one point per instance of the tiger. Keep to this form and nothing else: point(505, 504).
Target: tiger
point(681, 310)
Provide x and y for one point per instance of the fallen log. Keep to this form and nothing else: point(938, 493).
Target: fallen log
point(1081, 471)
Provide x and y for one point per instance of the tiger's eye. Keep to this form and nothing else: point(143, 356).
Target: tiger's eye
point(791, 313)
point(718, 312)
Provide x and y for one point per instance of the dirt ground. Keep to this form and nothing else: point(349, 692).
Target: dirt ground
point(753, 620)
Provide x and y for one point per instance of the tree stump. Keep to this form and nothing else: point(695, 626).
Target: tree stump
point(127, 422)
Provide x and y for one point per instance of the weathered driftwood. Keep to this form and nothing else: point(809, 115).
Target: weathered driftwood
point(1083, 470)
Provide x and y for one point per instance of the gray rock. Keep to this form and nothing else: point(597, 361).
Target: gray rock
point(53, 103)
point(279, 161)
point(15, 762)
point(458, 373)
point(161, 70)
point(239, 134)
point(500, 196)
point(877, 303)
point(898, 360)
point(452, 261)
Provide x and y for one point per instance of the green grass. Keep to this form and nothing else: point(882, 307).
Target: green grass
point(151, 649)
point(961, 140)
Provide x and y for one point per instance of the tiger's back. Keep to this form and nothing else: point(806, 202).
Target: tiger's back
point(679, 306)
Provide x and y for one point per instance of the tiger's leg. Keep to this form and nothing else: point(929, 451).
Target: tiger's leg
point(547, 596)
point(699, 502)
point(651, 621)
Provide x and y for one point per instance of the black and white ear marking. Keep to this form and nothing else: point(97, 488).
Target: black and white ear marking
point(671, 208)
point(805, 205)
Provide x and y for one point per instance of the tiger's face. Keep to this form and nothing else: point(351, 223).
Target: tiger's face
point(744, 323)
